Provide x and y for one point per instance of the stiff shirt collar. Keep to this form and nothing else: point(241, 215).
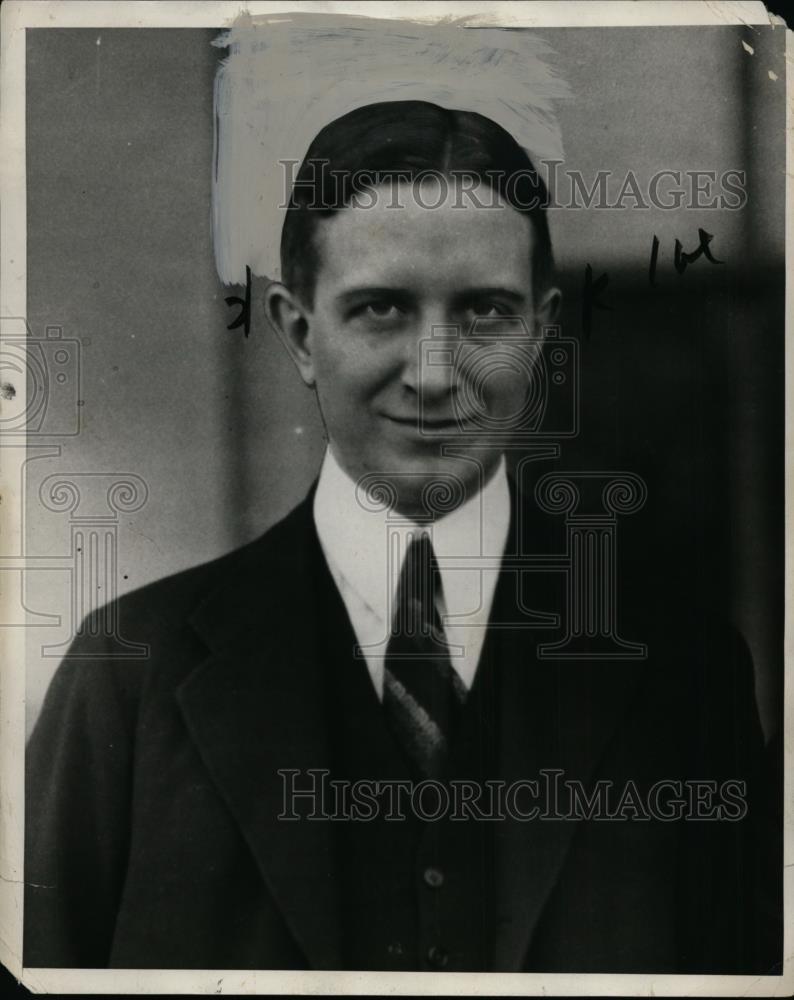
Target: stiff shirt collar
point(364, 544)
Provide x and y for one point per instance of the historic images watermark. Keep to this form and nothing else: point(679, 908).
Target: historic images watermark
point(314, 795)
point(547, 187)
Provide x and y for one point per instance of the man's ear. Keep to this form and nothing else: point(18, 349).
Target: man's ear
point(288, 318)
point(548, 308)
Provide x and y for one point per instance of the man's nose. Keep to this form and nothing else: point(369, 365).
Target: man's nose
point(429, 368)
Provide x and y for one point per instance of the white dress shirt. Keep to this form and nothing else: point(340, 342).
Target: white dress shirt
point(357, 539)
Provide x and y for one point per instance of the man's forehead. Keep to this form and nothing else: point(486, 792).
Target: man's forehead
point(405, 230)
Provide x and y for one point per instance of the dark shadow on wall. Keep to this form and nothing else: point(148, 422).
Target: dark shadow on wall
point(683, 385)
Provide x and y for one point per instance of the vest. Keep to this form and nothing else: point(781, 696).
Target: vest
point(416, 891)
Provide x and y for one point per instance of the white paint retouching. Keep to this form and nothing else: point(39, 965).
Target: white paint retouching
point(286, 77)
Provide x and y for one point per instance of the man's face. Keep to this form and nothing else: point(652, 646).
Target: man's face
point(396, 404)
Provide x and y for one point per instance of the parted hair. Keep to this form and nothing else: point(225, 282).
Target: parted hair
point(403, 140)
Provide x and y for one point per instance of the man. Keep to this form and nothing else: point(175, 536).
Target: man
point(381, 635)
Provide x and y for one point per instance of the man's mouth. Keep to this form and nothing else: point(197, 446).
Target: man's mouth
point(430, 425)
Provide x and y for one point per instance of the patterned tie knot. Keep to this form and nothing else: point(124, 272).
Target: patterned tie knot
point(416, 615)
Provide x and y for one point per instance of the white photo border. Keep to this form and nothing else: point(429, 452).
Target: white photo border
point(22, 14)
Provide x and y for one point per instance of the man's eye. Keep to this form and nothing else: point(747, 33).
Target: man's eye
point(379, 311)
point(382, 310)
point(485, 310)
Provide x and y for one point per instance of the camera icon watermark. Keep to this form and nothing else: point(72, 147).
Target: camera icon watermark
point(39, 381)
point(507, 384)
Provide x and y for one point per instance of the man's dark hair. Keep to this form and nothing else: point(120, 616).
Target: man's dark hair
point(401, 140)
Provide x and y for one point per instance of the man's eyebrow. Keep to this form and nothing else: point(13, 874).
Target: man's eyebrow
point(493, 291)
point(360, 292)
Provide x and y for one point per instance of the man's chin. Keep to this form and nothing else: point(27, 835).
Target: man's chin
point(431, 487)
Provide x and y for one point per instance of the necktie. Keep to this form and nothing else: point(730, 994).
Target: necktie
point(422, 693)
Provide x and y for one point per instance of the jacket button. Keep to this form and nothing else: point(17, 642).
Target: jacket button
point(437, 957)
point(433, 877)
point(395, 948)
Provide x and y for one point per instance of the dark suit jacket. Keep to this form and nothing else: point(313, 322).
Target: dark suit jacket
point(153, 837)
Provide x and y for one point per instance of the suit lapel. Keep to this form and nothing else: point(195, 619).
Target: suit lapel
point(257, 706)
point(554, 715)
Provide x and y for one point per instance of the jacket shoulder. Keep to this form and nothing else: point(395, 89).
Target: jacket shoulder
point(155, 630)
point(165, 604)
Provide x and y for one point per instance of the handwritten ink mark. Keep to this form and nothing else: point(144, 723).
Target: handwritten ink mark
point(244, 316)
point(682, 259)
point(654, 259)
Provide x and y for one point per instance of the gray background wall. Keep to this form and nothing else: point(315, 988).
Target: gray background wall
point(682, 383)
